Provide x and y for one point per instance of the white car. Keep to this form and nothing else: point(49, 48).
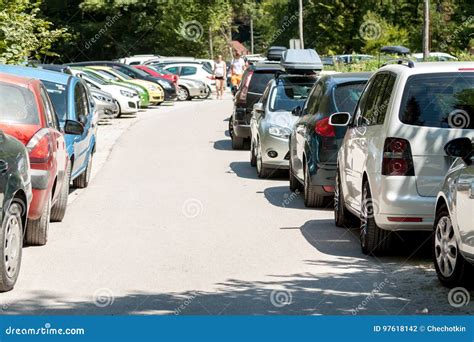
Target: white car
point(195, 71)
point(392, 162)
point(438, 56)
point(127, 98)
point(453, 243)
point(137, 59)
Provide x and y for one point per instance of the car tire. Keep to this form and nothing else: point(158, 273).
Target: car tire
point(183, 94)
point(231, 127)
point(262, 171)
point(295, 184)
point(451, 267)
point(373, 239)
point(311, 198)
point(11, 248)
point(82, 181)
point(37, 230)
point(343, 218)
point(59, 208)
point(253, 156)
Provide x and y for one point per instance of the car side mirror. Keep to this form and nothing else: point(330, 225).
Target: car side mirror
point(258, 107)
point(73, 127)
point(460, 148)
point(340, 119)
point(296, 111)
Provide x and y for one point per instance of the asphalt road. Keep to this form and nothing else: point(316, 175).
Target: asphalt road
point(175, 222)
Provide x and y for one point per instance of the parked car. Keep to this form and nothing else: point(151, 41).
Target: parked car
point(170, 91)
point(105, 104)
point(254, 81)
point(137, 59)
point(72, 104)
point(353, 58)
point(16, 195)
point(113, 80)
point(189, 89)
point(272, 120)
point(314, 143)
point(127, 98)
point(158, 72)
point(392, 163)
point(435, 56)
point(195, 71)
point(453, 238)
point(29, 116)
point(155, 92)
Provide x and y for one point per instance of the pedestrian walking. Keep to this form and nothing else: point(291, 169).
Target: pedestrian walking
point(237, 68)
point(220, 76)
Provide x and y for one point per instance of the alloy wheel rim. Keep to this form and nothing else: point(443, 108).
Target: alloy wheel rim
point(182, 94)
point(446, 249)
point(12, 246)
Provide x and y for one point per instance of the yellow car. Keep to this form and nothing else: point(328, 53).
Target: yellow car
point(156, 93)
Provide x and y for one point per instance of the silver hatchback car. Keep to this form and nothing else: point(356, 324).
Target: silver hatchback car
point(453, 240)
point(272, 121)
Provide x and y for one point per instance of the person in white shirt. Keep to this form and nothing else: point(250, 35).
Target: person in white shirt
point(220, 70)
point(237, 69)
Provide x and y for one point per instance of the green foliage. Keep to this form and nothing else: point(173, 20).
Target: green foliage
point(23, 34)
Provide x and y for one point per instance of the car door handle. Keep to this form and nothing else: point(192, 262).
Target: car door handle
point(3, 166)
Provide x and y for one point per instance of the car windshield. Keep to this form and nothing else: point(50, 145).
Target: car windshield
point(290, 93)
point(108, 75)
point(122, 75)
point(346, 96)
point(95, 79)
point(58, 95)
point(17, 105)
point(444, 100)
point(259, 81)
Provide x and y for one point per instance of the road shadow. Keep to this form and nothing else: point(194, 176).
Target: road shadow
point(282, 196)
point(223, 145)
point(243, 170)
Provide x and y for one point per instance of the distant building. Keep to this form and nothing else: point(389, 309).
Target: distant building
point(239, 48)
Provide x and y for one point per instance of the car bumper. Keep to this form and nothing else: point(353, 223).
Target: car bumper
point(278, 147)
point(323, 178)
point(128, 107)
point(37, 203)
point(241, 129)
point(397, 204)
point(170, 94)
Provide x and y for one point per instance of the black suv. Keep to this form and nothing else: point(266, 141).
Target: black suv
point(251, 88)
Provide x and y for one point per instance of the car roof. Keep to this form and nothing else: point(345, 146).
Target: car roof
point(429, 67)
point(17, 80)
point(41, 74)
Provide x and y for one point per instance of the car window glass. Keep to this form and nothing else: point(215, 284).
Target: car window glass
point(17, 105)
point(259, 81)
point(313, 102)
point(385, 98)
point(80, 101)
point(347, 95)
point(368, 116)
point(174, 70)
point(48, 110)
point(362, 102)
point(187, 71)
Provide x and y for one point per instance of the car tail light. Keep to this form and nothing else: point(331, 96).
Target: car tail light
point(40, 146)
point(245, 88)
point(397, 158)
point(324, 129)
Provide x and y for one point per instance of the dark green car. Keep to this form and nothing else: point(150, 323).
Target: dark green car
point(15, 194)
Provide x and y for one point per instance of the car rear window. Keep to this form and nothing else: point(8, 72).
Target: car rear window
point(259, 81)
point(58, 95)
point(17, 105)
point(444, 100)
point(346, 96)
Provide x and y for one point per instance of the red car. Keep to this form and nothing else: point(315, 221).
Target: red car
point(37, 127)
point(158, 73)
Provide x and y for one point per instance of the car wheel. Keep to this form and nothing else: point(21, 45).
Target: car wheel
point(342, 217)
point(82, 181)
point(11, 248)
point(237, 143)
point(183, 94)
point(119, 114)
point(311, 198)
point(262, 171)
point(59, 208)
point(295, 184)
point(231, 127)
point(253, 155)
point(451, 267)
point(373, 239)
point(37, 230)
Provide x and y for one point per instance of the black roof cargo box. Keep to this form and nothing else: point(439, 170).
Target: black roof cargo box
point(301, 60)
point(274, 53)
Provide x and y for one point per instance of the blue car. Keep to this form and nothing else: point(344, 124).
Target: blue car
point(72, 101)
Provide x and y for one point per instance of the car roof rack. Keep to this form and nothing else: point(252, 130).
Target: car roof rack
point(401, 61)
